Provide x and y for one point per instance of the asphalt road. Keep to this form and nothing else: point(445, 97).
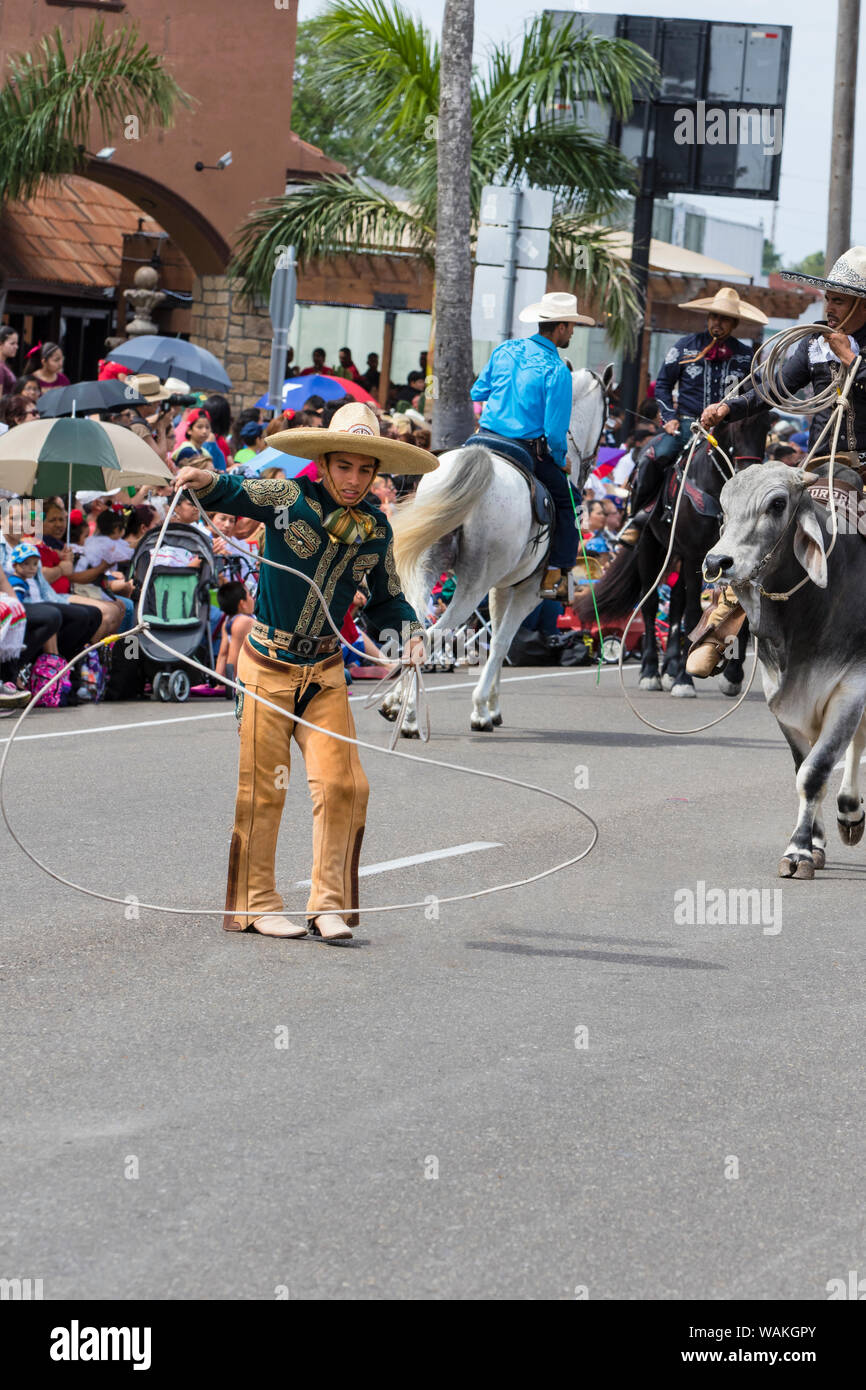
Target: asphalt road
point(578, 1085)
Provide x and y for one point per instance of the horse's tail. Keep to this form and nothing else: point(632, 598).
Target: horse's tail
point(422, 520)
point(616, 592)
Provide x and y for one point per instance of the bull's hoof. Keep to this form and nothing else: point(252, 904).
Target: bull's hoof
point(481, 726)
point(388, 713)
point(667, 681)
point(851, 834)
point(649, 683)
point(684, 692)
point(819, 858)
point(796, 868)
point(411, 732)
point(729, 687)
point(497, 720)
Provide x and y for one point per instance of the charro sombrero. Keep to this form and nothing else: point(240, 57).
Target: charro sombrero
point(555, 308)
point(847, 276)
point(354, 429)
point(727, 301)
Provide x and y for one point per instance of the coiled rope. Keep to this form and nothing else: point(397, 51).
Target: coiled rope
point(142, 625)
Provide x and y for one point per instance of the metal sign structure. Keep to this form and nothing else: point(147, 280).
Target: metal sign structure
point(511, 259)
point(284, 288)
point(715, 124)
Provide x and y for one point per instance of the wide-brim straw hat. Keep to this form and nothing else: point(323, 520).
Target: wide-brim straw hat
point(847, 276)
point(555, 308)
point(727, 301)
point(354, 429)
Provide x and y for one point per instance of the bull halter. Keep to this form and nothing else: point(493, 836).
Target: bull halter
point(779, 598)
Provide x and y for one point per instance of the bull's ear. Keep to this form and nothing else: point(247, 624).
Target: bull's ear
point(809, 546)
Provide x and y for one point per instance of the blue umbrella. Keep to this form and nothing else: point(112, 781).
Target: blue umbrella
point(274, 458)
point(298, 389)
point(165, 357)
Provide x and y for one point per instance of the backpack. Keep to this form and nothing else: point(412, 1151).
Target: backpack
point(91, 675)
point(44, 667)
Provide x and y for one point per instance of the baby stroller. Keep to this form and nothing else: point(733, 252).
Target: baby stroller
point(177, 607)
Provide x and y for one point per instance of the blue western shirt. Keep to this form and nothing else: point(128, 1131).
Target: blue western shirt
point(526, 387)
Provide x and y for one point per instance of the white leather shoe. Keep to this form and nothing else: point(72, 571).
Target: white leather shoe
point(279, 926)
point(330, 927)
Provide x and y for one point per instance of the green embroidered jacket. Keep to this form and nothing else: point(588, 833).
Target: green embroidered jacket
point(293, 511)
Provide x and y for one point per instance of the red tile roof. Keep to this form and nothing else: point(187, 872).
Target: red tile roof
point(70, 233)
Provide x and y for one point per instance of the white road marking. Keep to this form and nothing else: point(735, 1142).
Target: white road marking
point(226, 713)
point(387, 864)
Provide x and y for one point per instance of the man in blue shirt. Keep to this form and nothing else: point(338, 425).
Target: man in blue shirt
point(526, 388)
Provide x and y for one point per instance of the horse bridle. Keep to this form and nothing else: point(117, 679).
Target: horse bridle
point(591, 453)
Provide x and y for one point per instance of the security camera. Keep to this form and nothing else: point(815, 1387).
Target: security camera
point(224, 160)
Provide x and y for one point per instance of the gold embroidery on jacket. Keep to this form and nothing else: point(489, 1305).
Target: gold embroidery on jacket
point(363, 565)
point(333, 579)
point(302, 626)
point(394, 587)
point(302, 538)
point(272, 492)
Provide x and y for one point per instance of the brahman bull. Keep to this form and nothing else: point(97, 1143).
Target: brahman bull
point(812, 646)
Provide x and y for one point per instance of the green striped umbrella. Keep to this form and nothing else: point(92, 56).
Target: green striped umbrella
point(49, 458)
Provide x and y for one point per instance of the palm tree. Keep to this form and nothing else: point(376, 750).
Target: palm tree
point(452, 416)
point(50, 99)
point(385, 76)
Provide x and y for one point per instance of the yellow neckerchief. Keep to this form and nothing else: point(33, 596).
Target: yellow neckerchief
point(347, 525)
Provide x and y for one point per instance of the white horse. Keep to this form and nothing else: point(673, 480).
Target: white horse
point(473, 516)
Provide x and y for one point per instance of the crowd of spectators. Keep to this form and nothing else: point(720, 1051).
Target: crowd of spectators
point(67, 572)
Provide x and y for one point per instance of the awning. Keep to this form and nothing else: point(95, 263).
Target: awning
point(677, 260)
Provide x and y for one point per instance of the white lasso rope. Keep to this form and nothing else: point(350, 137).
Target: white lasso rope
point(143, 626)
point(767, 381)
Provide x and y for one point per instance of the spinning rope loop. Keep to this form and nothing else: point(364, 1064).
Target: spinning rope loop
point(410, 676)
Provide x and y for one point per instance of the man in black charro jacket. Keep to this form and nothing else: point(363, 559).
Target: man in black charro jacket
point(817, 361)
point(701, 367)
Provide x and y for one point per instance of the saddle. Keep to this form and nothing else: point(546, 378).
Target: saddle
point(701, 501)
point(519, 457)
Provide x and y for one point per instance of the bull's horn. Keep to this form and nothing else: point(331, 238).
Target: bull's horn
point(809, 479)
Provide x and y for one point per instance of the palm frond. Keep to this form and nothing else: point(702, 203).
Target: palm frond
point(50, 99)
point(323, 220)
point(566, 64)
point(592, 259)
point(582, 168)
point(376, 48)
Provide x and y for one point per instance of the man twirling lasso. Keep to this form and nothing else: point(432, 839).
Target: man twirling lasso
point(338, 537)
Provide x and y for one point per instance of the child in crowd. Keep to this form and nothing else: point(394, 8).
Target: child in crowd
point(238, 605)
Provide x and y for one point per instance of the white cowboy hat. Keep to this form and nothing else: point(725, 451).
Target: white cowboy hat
point(354, 429)
point(847, 276)
point(555, 308)
point(727, 301)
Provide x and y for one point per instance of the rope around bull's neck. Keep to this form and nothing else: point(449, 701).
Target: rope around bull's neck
point(142, 626)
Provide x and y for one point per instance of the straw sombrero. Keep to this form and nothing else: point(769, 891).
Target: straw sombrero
point(727, 301)
point(847, 276)
point(355, 430)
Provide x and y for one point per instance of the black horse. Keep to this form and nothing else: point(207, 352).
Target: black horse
point(633, 570)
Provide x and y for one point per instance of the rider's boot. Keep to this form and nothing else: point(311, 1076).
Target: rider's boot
point(710, 639)
point(557, 585)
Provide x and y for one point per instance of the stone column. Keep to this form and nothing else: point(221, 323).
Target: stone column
point(237, 331)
